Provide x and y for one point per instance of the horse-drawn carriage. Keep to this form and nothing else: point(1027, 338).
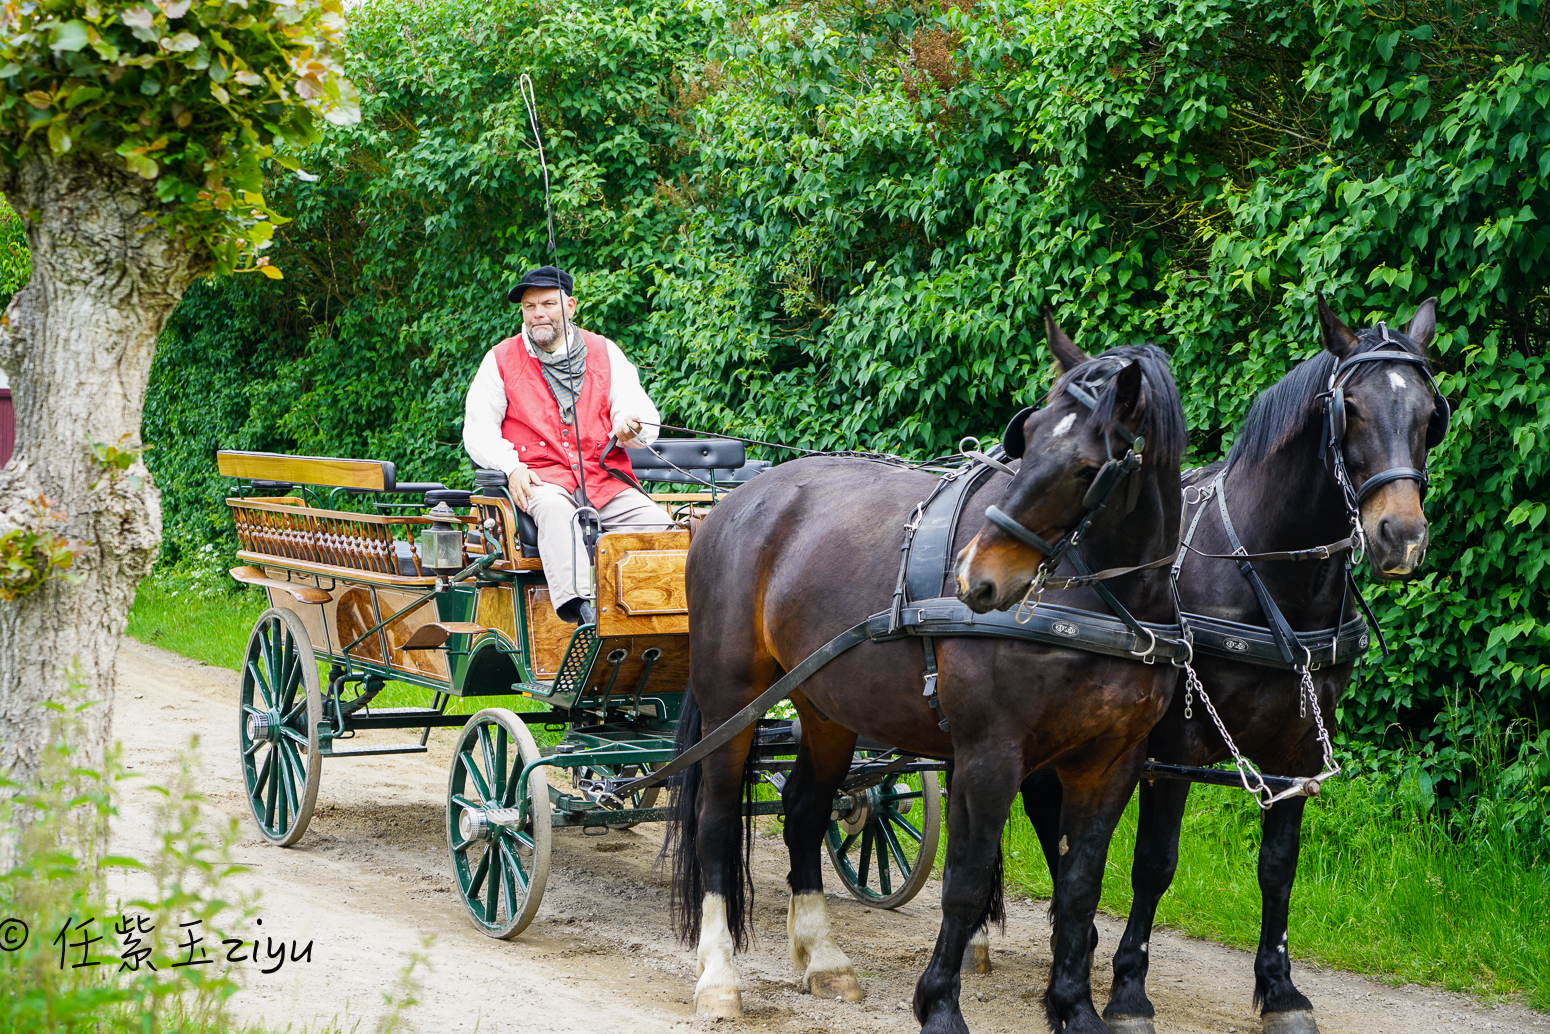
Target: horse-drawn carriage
point(445, 592)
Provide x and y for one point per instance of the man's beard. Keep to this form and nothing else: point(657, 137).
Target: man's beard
point(545, 336)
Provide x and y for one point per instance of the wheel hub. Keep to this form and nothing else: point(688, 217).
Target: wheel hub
point(861, 807)
point(482, 823)
point(265, 727)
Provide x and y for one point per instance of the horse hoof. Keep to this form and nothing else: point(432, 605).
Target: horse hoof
point(836, 984)
point(1130, 1024)
point(977, 959)
point(719, 1003)
point(1299, 1021)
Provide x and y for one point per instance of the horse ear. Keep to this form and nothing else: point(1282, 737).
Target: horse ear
point(1423, 325)
point(1066, 354)
point(1127, 386)
point(1338, 337)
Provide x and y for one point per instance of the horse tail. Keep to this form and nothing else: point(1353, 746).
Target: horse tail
point(995, 907)
point(682, 843)
point(680, 847)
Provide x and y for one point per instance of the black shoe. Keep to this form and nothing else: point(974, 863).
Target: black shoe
point(578, 612)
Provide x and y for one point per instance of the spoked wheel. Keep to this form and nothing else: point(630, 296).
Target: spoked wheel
point(499, 841)
point(278, 718)
point(883, 849)
point(584, 777)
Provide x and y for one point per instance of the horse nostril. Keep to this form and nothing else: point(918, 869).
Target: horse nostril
point(981, 594)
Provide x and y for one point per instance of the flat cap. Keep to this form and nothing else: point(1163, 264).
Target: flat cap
point(543, 276)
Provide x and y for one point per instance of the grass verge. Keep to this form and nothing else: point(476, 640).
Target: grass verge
point(1379, 891)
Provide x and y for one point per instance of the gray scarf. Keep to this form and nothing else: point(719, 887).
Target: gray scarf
point(564, 373)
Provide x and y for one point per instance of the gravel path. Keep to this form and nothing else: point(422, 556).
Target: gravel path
point(369, 882)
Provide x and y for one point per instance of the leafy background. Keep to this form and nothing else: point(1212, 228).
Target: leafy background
point(832, 224)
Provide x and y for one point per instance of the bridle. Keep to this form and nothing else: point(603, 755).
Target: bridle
point(1332, 448)
point(1117, 470)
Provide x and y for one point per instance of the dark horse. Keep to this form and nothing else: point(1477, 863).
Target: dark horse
point(809, 549)
point(1282, 495)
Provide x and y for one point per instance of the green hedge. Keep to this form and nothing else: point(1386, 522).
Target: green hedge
point(834, 226)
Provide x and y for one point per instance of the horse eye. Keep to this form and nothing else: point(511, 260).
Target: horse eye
point(1085, 473)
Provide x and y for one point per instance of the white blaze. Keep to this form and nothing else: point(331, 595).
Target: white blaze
point(1065, 425)
point(1397, 381)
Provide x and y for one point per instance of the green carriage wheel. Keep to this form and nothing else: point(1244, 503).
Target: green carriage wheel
point(278, 715)
point(499, 844)
point(636, 801)
point(883, 850)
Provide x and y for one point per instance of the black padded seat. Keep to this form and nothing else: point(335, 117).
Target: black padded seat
point(690, 454)
point(451, 496)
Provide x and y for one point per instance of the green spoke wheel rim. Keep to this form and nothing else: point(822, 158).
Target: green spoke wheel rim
point(500, 873)
point(280, 770)
point(888, 860)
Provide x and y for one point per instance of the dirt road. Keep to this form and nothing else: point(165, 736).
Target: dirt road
point(370, 881)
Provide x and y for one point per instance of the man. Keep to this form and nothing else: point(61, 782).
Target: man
point(541, 409)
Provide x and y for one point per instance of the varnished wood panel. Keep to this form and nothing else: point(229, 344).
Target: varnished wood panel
point(494, 610)
point(303, 470)
point(669, 674)
point(551, 633)
point(640, 583)
point(398, 632)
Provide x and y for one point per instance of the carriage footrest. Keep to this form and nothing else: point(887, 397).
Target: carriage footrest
point(387, 748)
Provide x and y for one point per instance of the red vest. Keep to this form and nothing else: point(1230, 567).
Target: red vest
point(550, 449)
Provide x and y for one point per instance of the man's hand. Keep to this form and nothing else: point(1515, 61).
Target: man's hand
point(626, 427)
point(521, 483)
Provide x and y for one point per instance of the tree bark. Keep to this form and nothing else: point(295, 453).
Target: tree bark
point(77, 345)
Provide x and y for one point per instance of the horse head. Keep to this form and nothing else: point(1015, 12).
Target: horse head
point(1082, 453)
point(1382, 415)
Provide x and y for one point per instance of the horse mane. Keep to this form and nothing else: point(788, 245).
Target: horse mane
point(1293, 404)
point(1165, 436)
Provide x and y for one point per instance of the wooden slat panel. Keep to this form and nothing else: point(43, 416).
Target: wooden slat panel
point(651, 582)
point(305, 470)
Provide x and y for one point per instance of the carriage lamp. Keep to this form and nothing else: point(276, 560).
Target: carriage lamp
point(441, 545)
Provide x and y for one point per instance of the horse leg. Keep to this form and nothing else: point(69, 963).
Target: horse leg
point(1286, 1009)
point(1095, 797)
point(821, 766)
point(1161, 814)
point(722, 853)
point(1042, 801)
point(978, 805)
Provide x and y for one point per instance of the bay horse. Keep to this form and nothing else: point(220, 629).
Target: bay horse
point(810, 548)
point(1282, 479)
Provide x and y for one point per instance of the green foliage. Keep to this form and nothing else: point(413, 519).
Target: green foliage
point(836, 229)
point(57, 825)
point(891, 193)
point(15, 260)
point(29, 555)
point(193, 94)
point(417, 222)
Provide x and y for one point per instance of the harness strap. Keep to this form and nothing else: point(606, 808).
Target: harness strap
point(1086, 578)
point(1361, 601)
point(928, 646)
point(1285, 635)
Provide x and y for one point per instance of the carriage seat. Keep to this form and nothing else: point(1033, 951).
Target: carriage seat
point(527, 528)
point(717, 461)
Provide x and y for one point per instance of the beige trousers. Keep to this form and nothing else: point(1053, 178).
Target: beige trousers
point(566, 567)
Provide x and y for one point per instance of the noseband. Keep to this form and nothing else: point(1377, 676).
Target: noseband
point(1116, 470)
point(1335, 426)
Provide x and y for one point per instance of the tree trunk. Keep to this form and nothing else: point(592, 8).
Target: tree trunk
point(77, 345)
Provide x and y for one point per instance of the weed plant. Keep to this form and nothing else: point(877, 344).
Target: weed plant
point(56, 881)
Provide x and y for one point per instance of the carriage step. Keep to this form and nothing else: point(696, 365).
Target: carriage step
point(400, 712)
point(360, 752)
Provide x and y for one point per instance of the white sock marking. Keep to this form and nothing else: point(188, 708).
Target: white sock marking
point(811, 937)
point(715, 949)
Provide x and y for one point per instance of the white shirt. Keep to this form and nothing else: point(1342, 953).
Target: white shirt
point(485, 408)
